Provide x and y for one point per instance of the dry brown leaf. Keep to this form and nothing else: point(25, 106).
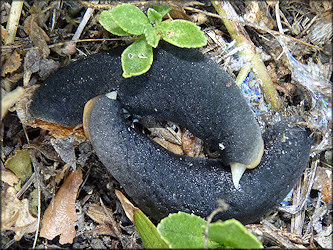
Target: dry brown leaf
point(57, 130)
point(96, 212)
point(102, 229)
point(37, 34)
point(169, 146)
point(60, 215)
point(25, 223)
point(326, 193)
point(179, 14)
point(191, 145)
point(8, 177)
point(12, 63)
point(128, 207)
point(32, 63)
point(323, 177)
point(15, 214)
point(9, 208)
point(61, 173)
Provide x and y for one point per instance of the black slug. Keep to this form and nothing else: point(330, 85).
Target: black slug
point(185, 87)
point(161, 182)
point(188, 88)
point(61, 98)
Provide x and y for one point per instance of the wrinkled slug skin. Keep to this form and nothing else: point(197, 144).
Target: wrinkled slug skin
point(186, 87)
point(61, 98)
point(161, 182)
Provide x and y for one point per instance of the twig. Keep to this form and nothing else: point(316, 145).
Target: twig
point(278, 19)
point(37, 182)
point(113, 223)
point(250, 52)
point(223, 207)
point(294, 209)
point(13, 21)
point(273, 232)
point(84, 22)
point(26, 185)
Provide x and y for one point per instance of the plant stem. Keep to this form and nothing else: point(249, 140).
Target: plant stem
point(249, 51)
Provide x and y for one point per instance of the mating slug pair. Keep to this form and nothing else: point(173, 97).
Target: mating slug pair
point(185, 87)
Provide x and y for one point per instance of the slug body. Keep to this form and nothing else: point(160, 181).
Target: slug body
point(62, 97)
point(161, 182)
point(188, 88)
point(185, 87)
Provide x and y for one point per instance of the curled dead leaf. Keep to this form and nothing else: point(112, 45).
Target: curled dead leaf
point(8, 177)
point(96, 212)
point(37, 35)
point(191, 145)
point(12, 63)
point(15, 214)
point(129, 208)
point(60, 215)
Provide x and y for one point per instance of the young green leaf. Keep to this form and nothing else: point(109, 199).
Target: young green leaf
point(152, 35)
point(137, 58)
point(130, 18)
point(163, 10)
point(106, 20)
point(182, 33)
point(232, 233)
point(154, 16)
point(182, 230)
point(20, 164)
point(148, 232)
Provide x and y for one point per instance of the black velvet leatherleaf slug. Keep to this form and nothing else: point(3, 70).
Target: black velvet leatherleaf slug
point(185, 87)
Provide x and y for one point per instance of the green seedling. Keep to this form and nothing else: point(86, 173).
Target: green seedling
point(183, 230)
point(127, 19)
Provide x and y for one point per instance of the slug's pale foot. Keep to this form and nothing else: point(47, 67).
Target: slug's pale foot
point(237, 171)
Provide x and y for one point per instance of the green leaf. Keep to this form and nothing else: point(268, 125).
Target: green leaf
point(148, 232)
point(182, 230)
point(20, 164)
point(129, 18)
point(163, 10)
point(154, 16)
point(182, 33)
point(106, 20)
point(232, 233)
point(152, 35)
point(137, 58)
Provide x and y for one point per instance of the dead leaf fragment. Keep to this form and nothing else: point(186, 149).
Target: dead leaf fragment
point(37, 35)
point(191, 145)
point(327, 193)
point(60, 215)
point(10, 99)
point(15, 214)
point(12, 63)
point(8, 177)
point(128, 207)
point(96, 212)
point(175, 148)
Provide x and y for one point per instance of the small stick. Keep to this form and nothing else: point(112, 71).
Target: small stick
point(84, 22)
point(13, 21)
point(250, 52)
